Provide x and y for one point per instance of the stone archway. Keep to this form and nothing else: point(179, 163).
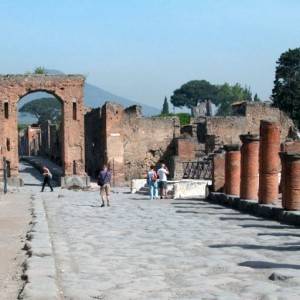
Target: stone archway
point(67, 88)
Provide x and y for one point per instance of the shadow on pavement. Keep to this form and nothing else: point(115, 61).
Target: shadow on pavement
point(267, 265)
point(240, 219)
point(189, 203)
point(32, 171)
point(279, 234)
point(189, 212)
point(268, 226)
point(257, 247)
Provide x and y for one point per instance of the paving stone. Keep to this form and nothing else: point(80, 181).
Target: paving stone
point(162, 249)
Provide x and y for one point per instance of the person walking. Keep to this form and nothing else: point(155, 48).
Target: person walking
point(47, 178)
point(104, 179)
point(162, 180)
point(152, 183)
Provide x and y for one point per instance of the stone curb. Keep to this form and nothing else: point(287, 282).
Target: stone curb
point(256, 209)
point(39, 268)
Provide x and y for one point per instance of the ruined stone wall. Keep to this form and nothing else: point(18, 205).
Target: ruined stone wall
point(260, 111)
point(227, 128)
point(146, 141)
point(34, 140)
point(246, 119)
point(55, 144)
point(94, 142)
point(112, 128)
point(127, 141)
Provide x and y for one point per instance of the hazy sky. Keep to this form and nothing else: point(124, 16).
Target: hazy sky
point(144, 49)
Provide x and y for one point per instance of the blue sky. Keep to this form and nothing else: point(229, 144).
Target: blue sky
point(144, 49)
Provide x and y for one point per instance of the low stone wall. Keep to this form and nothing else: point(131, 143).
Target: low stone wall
point(190, 189)
point(254, 208)
point(137, 185)
point(177, 189)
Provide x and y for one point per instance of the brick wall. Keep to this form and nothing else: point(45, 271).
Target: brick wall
point(127, 140)
point(246, 119)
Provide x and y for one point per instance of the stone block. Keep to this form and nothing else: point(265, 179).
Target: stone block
point(15, 181)
point(188, 189)
point(137, 185)
point(75, 181)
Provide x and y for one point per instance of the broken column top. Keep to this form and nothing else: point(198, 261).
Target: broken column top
point(249, 137)
point(232, 147)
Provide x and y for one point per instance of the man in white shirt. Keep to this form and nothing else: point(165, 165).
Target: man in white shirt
point(162, 180)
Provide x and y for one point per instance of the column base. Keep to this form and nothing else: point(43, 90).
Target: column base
point(75, 182)
point(15, 181)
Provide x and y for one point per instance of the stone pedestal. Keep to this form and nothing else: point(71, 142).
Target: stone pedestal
point(232, 170)
point(269, 162)
point(75, 181)
point(249, 167)
point(15, 181)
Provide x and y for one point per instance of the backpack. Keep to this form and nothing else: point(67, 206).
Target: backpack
point(101, 180)
point(153, 177)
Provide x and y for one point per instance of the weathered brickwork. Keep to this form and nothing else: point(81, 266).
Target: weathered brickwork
point(186, 148)
point(127, 141)
point(69, 90)
point(246, 119)
point(29, 141)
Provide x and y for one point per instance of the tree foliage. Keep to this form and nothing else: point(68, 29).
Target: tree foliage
point(286, 91)
point(39, 70)
point(193, 92)
point(184, 118)
point(256, 98)
point(44, 109)
point(165, 108)
point(228, 94)
point(222, 96)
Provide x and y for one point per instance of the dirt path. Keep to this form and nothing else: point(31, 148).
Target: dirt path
point(14, 221)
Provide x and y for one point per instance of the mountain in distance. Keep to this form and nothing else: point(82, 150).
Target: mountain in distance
point(95, 97)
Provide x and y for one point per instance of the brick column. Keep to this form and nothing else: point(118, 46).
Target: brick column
point(269, 162)
point(249, 166)
point(290, 180)
point(283, 178)
point(232, 170)
point(218, 174)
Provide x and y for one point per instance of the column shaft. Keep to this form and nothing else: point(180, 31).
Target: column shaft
point(249, 166)
point(269, 162)
point(232, 170)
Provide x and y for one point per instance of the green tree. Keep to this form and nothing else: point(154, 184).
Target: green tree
point(193, 92)
point(40, 70)
point(44, 109)
point(228, 94)
point(286, 91)
point(256, 98)
point(223, 95)
point(165, 109)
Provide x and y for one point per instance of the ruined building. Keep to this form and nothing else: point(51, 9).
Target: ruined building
point(30, 140)
point(126, 140)
point(130, 143)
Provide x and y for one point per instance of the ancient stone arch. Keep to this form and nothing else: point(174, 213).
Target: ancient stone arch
point(69, 90)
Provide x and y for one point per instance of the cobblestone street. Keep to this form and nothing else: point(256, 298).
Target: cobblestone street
point(164, 249)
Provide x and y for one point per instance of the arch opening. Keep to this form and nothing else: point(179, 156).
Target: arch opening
point(40, 125)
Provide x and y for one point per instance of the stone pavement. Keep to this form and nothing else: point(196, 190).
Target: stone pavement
point(14, 223)
point(161, 249)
